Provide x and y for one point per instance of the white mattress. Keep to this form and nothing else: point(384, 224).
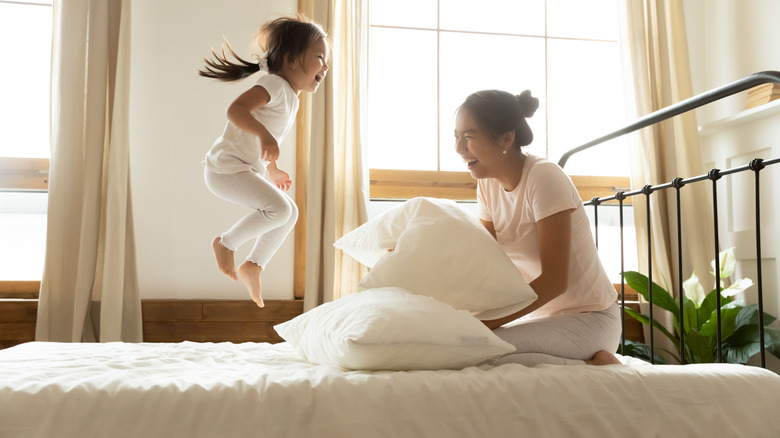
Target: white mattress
point(218, 390)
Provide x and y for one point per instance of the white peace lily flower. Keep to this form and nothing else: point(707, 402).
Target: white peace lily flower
point(727, 262)
point(738, 286)
point(693, 290)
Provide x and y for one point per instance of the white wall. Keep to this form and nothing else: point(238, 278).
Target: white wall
point(175, 115)
point(730, 39)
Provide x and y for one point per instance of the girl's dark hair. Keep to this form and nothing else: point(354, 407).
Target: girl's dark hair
point(498, 112)
point(280, 38)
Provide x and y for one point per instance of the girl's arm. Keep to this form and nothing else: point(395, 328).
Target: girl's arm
point(240, 114)
point(554, 250)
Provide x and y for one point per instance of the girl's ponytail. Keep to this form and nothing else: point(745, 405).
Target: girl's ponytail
point(223, 69)
point(280, 40)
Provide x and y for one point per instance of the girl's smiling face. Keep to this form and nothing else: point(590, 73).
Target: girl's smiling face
point(480, 153)
point(308, 71)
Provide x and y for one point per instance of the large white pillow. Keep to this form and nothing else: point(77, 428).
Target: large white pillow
point(391, 329)
point(441, 250)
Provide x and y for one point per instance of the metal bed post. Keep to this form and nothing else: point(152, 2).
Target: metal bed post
point(678, 183)
point(647, 191)
point(620, 196)
point(595, 202)
point(715, 175)
point(756, 166)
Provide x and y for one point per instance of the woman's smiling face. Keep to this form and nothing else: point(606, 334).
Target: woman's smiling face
point(478, 150)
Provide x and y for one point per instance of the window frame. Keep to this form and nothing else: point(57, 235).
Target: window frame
point(21, 175)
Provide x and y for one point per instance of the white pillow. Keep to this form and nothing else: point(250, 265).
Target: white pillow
point(440, 250)
point(391, 329)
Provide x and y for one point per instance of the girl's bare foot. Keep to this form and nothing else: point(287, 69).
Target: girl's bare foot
point(603, 357)
point(224, 256)
point(250, 275)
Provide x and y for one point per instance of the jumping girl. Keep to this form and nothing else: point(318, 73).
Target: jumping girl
point(535, 213)
point(241, 165)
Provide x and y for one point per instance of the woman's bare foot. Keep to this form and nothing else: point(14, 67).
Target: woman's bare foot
point(224, 256)
point(603, 357)
point(250, 275)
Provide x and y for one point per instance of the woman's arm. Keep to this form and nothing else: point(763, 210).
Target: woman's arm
point(554, 250)
point(240, 114)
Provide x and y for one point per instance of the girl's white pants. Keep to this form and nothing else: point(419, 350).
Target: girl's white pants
point(273, 217)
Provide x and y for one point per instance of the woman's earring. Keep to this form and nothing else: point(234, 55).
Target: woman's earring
point(505, 151)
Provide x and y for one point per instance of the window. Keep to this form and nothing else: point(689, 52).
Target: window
point(426, 56)
point(25, 36)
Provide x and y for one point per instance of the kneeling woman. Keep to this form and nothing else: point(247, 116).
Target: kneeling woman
point(533, 210)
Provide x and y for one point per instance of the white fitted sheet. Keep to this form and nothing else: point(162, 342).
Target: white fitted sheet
point(243, 390)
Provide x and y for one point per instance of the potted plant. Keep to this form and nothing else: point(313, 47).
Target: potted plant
point(739, 322)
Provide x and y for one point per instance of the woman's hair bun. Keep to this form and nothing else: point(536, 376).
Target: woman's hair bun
point(527, 103)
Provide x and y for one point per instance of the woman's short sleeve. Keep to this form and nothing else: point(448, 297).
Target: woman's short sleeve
point(551, 191)
point(482, 204)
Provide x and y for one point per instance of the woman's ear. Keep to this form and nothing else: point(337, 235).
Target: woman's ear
point(507, 139)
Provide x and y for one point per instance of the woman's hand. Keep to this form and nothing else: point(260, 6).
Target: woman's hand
point(279, 177)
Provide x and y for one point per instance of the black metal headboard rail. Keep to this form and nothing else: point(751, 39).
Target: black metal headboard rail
point(713, 175)
point(756, 165)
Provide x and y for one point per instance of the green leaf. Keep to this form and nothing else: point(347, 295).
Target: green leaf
point(749, 315)
point(690, 317)
point(728, 317)
point(640, 351)
point(699, 349)
point(661, 297)
point(742, 345)
point(708, 306)
point(644, 319)
point(772, 341)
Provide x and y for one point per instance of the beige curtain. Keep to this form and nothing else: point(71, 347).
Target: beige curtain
point(656, 59)
point(89, 288)
point(331, 153)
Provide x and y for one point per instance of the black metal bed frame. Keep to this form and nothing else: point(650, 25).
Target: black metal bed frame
point(713, 175)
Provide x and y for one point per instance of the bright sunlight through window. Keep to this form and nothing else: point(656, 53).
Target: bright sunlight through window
point(426, 56)
point(25, 38)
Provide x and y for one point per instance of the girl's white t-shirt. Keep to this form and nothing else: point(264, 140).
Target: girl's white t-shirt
point(237, 150)
point(543, 191)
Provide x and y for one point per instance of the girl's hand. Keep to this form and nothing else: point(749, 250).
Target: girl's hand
point(269, 148)
point(279, 177)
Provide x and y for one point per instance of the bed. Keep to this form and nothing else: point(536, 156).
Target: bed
point(206, 390)
point(383, 363)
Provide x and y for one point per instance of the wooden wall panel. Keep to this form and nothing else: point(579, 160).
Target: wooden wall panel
point(173, 320)
point(216, 321)
point(194, 320)
point(17, 321)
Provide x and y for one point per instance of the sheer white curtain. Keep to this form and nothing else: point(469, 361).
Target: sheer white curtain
point(89, 288)
point(330, 126)
point(656, 58)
